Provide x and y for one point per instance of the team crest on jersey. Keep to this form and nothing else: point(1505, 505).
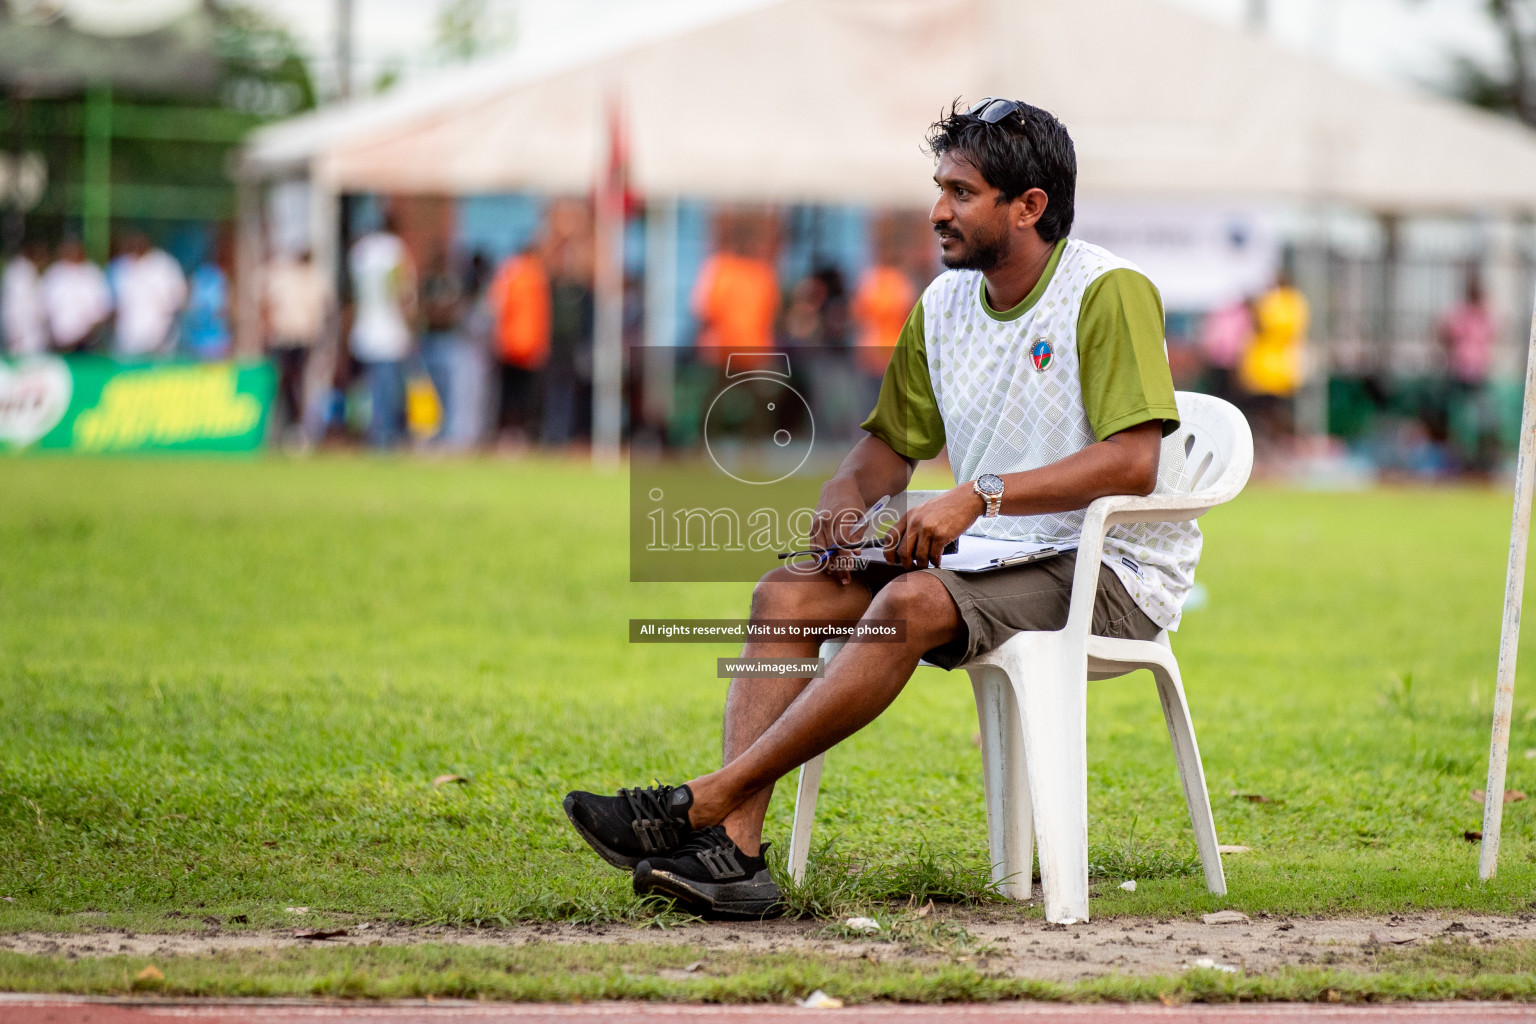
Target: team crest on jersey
point(1041, 354)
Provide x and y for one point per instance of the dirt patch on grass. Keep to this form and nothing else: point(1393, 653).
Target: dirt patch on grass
point(996, 940)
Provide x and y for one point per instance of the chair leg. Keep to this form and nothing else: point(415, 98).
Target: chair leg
point(805, 797)
point(1049, 677)
point(1170, 690)
point(1010, 821)
point(805, 816)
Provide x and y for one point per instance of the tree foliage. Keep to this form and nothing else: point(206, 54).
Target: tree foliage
point(467, 29)
point(1508, 84)
point(265, 72)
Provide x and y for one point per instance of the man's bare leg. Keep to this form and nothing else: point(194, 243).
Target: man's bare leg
point(753, 705)
point(860, 683)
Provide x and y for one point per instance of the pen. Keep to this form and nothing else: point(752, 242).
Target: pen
point(869, 517)
point(828, 551)
point(858, 527)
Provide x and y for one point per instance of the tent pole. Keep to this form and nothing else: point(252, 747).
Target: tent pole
point(325, 230)
point(1509, 637)
point(607, 355)
point(326, 210)
point(608, 337)
point(1311, 399)
point(660, 310)
point(608, 328)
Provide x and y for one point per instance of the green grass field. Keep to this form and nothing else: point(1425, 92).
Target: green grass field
point(226, 688)
point(1439, 970)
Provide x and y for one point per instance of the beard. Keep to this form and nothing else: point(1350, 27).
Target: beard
point(978, 252)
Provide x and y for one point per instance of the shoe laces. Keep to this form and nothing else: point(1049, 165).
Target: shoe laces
point(654, 823)
point(711, 837)
point(651, 803)
point(714, 849)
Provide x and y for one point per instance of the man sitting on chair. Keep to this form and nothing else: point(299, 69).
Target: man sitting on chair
point(1039, 360)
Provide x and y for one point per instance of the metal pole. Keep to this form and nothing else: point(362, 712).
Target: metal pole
point(326, 244)
point(660, 309)
point(1258, 15)
point(1509, 637)
point(608, 284)
point(608, 330)
point(1311, 273)
point(344, 50)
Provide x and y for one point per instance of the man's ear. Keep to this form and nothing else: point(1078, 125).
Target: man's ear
point(1029, 208)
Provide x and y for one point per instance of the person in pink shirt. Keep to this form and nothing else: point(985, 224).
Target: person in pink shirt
point(1467, 334)
point(1224, 337)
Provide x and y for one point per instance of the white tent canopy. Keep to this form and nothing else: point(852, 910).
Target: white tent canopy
point(828, 100)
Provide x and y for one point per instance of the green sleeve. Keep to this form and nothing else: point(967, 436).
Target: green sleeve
point(1120, 354)
point(906, 415)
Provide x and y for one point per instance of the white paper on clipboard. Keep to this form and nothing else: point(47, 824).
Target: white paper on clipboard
point(983, 554)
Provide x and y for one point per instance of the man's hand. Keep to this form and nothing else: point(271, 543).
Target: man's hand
point(924, 531)
point(839, 510)
point(870, 469)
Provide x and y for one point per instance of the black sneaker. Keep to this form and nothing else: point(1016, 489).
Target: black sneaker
point(710, 876)
point(636, 824)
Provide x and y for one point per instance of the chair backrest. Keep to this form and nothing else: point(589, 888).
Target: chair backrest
point(1211, 454)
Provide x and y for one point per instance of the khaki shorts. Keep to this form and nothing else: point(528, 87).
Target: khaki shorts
point(995, 605)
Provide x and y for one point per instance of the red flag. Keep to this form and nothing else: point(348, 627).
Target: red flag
point(616, 179)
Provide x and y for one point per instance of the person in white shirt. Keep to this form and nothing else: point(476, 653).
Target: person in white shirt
point(151, 291)
point(76, 297)
point(384, 294)
point(298, 299)
point(21, 303)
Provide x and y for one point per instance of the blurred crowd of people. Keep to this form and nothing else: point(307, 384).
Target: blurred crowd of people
point(441, 348)
point(142, 305)
point(1254, 351)
point(453, 352)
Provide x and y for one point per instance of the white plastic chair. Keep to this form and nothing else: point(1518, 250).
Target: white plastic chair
point(1031, 692)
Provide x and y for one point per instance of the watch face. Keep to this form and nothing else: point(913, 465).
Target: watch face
point(990, 483)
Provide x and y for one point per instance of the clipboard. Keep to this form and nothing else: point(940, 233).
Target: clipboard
point(980, 554)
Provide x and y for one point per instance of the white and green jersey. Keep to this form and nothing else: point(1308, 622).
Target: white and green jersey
point(1080, 358)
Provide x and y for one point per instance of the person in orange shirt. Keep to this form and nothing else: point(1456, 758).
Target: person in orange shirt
point(881, 304)
point(520, 302)
point(736, 300)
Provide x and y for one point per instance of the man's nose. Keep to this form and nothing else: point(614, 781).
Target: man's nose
point(940, 212)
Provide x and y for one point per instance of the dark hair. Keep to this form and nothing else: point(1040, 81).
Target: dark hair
point(1027, 149)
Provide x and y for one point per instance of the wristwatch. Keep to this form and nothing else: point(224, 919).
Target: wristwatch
point(990, 487)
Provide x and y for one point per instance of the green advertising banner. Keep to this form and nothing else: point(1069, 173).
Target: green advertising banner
point(90, 404)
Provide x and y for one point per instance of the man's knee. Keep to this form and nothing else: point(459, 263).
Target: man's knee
point(924, 604)
point(780, 594)
point(783, 594)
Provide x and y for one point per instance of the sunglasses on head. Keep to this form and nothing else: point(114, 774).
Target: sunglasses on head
point(992, 110)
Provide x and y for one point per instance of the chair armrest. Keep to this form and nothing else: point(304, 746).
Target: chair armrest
point(1085, 577)
point(1170, 507)
point(1113, 510)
